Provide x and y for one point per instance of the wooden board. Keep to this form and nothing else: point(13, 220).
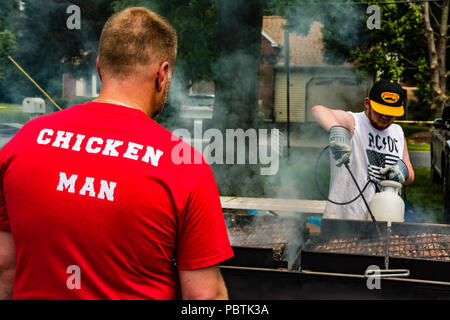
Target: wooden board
point(289, 205)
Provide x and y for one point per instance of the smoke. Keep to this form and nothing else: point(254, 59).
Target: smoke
point(200, 59)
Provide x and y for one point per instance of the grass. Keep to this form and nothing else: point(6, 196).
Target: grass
point(419, 147)
point(12, 113)
point(409, 130)
point(426, 197)
point(9, 105)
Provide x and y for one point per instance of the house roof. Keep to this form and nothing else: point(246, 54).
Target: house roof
point(272, 41)
point(303, 50)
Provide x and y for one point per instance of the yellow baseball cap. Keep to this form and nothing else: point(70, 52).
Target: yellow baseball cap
point(387, 97)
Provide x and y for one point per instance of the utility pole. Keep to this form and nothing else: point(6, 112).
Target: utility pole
point(287, 69)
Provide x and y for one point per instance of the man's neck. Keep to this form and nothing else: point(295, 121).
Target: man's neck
point(134, 97)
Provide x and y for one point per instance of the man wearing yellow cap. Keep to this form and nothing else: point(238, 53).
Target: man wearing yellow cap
point(369, 144)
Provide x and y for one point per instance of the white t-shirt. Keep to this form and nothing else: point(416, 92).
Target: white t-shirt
point(372, 150)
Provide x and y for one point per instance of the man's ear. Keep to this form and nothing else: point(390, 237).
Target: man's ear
point(162, 77)
point(367, 103)
point(98, 69)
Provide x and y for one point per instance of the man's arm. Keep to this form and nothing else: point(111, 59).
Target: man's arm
point(328, 118)
point(407, 161)
point(7, 265)
point(203, 284)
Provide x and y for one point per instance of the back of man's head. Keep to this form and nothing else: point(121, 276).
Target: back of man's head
point(134, 39)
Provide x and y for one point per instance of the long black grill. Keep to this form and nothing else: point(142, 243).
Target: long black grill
point(406, 240)
point(282, 258)
point(432, 246)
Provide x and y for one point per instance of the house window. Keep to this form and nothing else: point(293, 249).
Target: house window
point(80, 87)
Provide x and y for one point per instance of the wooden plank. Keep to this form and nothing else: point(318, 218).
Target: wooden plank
point(290, 205)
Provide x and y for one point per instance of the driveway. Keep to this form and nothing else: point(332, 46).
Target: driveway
point(7, 131)
point(420, 159)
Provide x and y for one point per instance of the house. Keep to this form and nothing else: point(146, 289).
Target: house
point(311, 80)
point(81, 87)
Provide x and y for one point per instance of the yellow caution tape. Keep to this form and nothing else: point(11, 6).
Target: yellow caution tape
point(412, 121)
point(34, 82)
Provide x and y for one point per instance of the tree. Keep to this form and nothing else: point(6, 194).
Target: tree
point(196, 24)
point(46, 47)
point(411, 43)
point(7, 46)
point(436, 33)
point(7, 37)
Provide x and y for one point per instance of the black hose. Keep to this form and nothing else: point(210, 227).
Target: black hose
point(360, 192)
point(357, 186)
point(326, 197)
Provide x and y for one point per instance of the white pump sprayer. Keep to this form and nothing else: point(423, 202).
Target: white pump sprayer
point(388, 205)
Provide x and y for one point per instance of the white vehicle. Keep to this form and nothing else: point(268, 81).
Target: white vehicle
point(197, 107)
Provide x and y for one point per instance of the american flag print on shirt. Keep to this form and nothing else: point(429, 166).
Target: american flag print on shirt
point(378, 161)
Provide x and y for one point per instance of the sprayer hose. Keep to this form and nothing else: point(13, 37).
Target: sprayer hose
point(357, 186)
point(326, 197)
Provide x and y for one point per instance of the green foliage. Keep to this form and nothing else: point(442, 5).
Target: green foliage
point(196, 23)
point(426, 197)
point(7, 37)
point(7, 10)
point(7, 46)
point(45, 47)
point(397, 50)
point(409, 129)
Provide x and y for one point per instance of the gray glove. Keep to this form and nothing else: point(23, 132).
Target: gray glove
point(398, 172)
point(340, 145)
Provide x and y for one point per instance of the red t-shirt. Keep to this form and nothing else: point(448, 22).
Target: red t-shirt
point(100, 208)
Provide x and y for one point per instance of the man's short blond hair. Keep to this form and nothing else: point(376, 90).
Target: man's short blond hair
point(134, 38)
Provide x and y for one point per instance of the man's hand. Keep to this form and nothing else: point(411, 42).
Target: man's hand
point(340, 145)
point(398, 172)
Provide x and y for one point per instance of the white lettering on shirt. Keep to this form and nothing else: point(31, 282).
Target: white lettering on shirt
point(65, 183)
point(154, 156)
point(133, 149)
point(77, 145)
point(91, 141)
point(94, 145)
point(41, 140)
point(64, 137)
point(110, 148)
point(88, 186)
point(106, 187)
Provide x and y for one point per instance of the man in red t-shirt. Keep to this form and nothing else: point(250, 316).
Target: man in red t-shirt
point(92, 203)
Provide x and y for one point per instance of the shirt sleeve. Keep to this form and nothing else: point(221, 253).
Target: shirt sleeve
point(202, 235)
